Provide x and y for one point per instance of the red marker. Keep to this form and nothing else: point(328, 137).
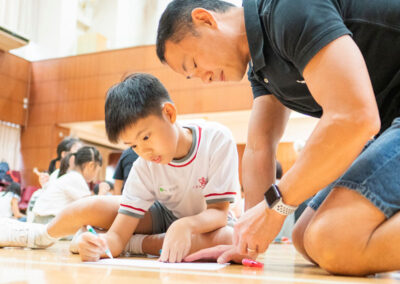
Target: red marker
point(252, 263)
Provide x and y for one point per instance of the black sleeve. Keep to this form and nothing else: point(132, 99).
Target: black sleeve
point(301, 28)
point(119, 171)
point(257, 87)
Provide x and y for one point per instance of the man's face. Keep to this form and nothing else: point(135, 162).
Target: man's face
point(211, 56)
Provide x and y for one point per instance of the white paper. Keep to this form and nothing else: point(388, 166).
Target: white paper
point(158, 264)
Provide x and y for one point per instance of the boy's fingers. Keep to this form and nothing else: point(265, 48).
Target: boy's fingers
point(207, 254)
point(227, 255)
point(164, 255)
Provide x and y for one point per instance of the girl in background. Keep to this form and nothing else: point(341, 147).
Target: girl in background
point(9, 199)
point(76, 171)
point(66, 146)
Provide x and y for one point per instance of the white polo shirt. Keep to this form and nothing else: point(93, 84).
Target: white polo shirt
point(61, 192)
point(208, 174)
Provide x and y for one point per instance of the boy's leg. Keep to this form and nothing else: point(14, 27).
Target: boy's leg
point(97, 211)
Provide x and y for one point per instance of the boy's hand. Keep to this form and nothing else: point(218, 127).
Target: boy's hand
point(177, 243)
point(221, 254)
point(91, 247)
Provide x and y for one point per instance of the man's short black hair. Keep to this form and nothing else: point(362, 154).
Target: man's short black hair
point(176, 20)
point(137, 96)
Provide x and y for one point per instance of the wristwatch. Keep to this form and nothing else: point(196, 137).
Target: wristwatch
point(274, 201)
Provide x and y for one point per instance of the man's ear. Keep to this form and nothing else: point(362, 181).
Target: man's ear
point(205, 17)
point(169, 111)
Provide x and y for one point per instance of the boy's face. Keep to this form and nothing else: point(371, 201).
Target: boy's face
point(153, 138)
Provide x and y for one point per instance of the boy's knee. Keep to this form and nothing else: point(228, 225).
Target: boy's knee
point(331, 249)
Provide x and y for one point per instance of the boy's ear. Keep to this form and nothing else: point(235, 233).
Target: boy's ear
point(169, 111)
point(203, 17)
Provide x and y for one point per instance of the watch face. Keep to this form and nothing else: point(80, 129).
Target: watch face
point(272, 196)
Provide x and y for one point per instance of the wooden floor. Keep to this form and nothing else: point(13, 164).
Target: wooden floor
point(57, 265)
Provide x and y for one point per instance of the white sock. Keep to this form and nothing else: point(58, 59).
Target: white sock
point(134, 245)
point(42, 237)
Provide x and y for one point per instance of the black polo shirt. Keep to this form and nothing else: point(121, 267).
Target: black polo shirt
point(284, 35)
point(124, 165)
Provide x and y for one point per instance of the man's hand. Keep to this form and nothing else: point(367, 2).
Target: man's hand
point(177, 243)
point(91, 247)
point(257, 228)
point(221, 254)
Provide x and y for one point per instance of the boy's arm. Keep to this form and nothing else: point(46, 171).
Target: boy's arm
point(177, 241)
point(92, 247)
point(200, 223)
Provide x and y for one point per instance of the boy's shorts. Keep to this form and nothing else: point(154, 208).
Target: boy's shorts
point(162, 218)
point(375, 174)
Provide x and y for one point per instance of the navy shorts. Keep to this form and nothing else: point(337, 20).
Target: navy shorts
point(375, 173)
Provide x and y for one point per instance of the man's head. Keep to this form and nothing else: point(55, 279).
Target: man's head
point(203, 38)
point(140, 112)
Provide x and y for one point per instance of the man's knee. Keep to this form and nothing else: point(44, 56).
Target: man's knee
point(333, 250)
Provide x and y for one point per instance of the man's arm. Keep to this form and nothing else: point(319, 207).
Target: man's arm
point(338, 79)
point(267, 124)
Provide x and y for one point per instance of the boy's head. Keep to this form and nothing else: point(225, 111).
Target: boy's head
point(138, 96)
point(140, 112)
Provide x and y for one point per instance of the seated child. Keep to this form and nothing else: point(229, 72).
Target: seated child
point(70, 186)
point(9, 199)
point(177, 194)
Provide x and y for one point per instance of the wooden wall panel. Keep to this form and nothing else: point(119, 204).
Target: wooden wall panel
point(14, 87)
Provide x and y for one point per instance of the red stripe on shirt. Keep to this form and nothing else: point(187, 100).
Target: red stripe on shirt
point(198, 145)
point(215, 194)
point(131, 207)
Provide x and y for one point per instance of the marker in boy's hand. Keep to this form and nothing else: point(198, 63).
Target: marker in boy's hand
point(90, 229)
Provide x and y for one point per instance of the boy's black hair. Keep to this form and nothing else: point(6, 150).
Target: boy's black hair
point(136, 97)
point(176, 21)
point(82, 156)
point(64, 146)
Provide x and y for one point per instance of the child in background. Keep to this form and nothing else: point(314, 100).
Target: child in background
point(70, 186)
point(9, 199)
point(66, 146)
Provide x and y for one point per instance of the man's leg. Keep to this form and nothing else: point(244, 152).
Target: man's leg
point(349, 235)
point(299, 229)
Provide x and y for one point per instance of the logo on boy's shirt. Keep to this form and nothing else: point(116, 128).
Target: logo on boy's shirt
point(167, 188)
point(203, 182)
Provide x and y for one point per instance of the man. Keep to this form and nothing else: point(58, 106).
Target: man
point(338, 60)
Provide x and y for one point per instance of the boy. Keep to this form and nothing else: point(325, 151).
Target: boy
point(192, 170)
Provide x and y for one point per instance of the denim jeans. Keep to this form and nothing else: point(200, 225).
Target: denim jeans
point(375, 173)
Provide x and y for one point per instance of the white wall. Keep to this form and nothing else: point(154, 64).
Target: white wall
point(52, 25)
